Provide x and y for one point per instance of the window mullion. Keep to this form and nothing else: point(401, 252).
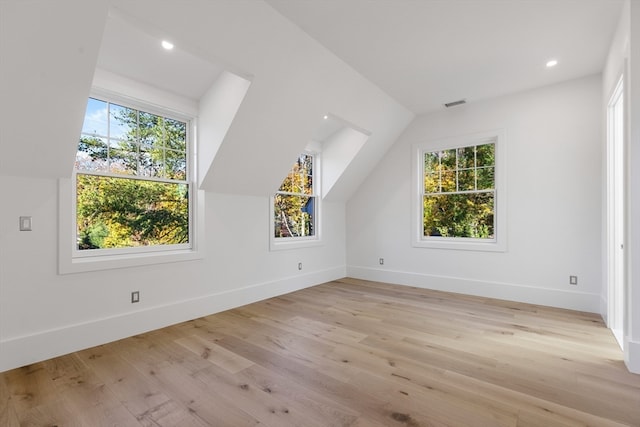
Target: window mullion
point(475, 167)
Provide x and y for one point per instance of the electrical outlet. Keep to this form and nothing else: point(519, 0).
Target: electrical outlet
point(135, 297)
point(299, 266)
point(573, 280)
point(381, 261)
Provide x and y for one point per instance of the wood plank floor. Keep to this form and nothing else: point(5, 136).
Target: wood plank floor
point(346, 353)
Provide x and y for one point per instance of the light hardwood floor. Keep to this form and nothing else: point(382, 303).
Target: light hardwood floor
point(346, 353)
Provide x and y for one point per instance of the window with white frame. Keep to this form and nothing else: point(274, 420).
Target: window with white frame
point(295, 205)
point(458, 204)
point(132, 181)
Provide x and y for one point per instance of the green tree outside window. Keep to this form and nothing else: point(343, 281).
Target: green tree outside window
point(459, 192)
point(131, 179)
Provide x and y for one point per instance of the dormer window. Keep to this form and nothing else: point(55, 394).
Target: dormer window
point(295, 206)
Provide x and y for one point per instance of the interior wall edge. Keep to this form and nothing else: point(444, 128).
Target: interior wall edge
point(24, 350)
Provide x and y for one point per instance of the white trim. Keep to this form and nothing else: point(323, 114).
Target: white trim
point(43, 345)
point(499, 243)
point(549, 297)
point(615, 211)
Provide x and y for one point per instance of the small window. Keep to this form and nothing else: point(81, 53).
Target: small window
point(295, 206)
point(132, 180)
point(458, 194)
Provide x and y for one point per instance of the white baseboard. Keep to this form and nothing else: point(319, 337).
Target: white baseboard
point(572, 300)
point(632, 356)
point(604, 309)
point(24, 350)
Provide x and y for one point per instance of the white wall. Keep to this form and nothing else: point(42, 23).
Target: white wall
point(553, 141)
point(43, 314)
point(337, 152)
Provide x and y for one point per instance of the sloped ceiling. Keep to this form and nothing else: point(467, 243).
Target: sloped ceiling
point(48, 51)
point(130, 48)
point(429, 52)
point(418, 53)
point(294, 82)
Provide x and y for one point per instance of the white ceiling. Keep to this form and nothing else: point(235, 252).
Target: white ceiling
point(132, 48)
point(425, 53)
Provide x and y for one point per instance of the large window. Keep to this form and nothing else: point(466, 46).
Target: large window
point(458, 193)
point(132, 180)
point(295, 205)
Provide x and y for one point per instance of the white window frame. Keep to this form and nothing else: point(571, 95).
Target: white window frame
point(283, 243)
point(499, 242)
point(73, 260)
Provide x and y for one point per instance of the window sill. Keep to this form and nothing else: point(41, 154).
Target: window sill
point(466, 245)
point(107, 262)
point(276, 245)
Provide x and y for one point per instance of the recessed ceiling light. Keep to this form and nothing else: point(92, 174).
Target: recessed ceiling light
point(167, 45)
point(552, 63)
point(325, 117)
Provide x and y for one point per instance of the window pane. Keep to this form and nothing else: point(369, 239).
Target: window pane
point(486, 155)
point(432, 183)
point(293, 216)
point(431, 161)
point(176, 134)
point(459, 215)
point(466, 157)
point(123, 212)
point(305, 169)
point(448, 159)
point(121, 160)
point(448, 181)
point(95, 118)
point(300, 177)
point(122, 122)
point(175, 164)
point(151, 162)
point(486, 178)
point(308, 184)
point(306, 163)
point(466, 180)
point(299, 181)
point(151, 130)
point(92, 154)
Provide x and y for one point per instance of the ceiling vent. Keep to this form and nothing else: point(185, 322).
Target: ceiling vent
point(455, 103)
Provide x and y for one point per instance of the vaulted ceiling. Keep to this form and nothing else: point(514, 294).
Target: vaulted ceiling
point(369, 64)
point(425, 53)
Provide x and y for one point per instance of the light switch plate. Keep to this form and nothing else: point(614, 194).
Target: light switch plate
point(25, 223)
